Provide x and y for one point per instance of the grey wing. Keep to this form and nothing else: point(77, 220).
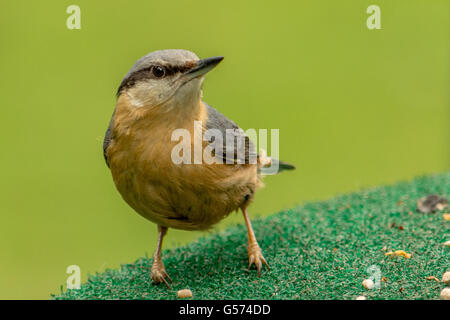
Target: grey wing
point(228, 142)
point(108, 139)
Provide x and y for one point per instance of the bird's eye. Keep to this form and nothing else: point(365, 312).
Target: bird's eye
point(158, 71)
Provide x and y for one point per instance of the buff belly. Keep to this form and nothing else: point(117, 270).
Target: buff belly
point(189, 197)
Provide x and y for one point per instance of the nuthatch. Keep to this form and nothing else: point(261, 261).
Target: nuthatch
point(162, 93)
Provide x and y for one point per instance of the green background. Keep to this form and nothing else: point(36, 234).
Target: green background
point(355, 108)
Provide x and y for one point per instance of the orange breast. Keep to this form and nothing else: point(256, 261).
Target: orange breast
point(182, 196)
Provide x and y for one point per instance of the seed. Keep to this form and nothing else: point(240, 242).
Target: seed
point(431, 203)
point(446, 277)
point(368, 284)
point(185, 293)
point(432, 278)
point(398, 253)
point(445, 294)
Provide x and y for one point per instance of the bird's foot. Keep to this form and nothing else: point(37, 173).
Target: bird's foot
point(256, 257)
point(159, 273)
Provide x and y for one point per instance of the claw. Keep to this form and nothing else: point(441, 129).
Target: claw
point(158, 277)
point(170, 279)
point(165, 281)
point(159, 274)
point(255, 257)
point(251, 261)
point(265, 262)
point(258, 267)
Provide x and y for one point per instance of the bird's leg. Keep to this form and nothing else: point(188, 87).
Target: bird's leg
point(159, 273)
point(255, 255)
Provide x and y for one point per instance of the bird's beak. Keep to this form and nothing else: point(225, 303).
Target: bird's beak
point(202, 67)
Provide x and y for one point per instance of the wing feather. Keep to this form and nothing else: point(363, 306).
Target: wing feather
point(233, 146)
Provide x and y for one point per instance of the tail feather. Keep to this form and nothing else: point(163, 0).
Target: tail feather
point(286, 166)
point(276, 167)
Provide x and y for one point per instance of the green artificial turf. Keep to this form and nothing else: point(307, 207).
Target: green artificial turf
point(319, 250)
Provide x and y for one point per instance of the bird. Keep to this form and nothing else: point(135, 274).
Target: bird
point(160, 94)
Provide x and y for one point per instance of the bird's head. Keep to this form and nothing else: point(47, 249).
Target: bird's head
point(166, 79)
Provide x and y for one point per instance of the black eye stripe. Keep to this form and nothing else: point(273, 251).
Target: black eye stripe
point(146, 73)
point(171, 70)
